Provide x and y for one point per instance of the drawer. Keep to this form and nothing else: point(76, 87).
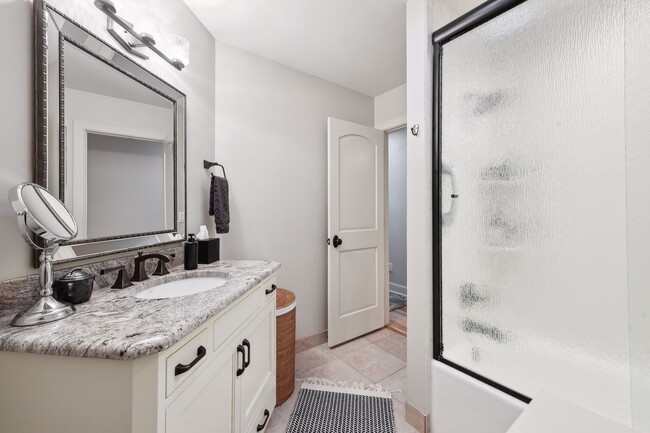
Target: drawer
point(268, 286)
point(189, 358)
point(226, 325)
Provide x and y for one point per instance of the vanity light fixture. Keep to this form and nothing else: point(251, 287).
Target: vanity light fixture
point(145, 31)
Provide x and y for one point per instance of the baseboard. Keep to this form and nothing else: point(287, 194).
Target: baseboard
point(416, 419)
point(397, 288)
point(312, 341)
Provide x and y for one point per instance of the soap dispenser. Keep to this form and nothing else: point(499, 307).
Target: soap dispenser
point(191, 253)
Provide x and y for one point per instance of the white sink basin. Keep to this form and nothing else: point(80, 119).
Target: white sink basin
point(186, 287)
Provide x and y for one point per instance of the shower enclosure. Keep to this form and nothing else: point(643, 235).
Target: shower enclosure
point(542, 182)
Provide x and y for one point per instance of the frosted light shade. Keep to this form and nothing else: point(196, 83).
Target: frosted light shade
point(177, 48)
point(147, 23)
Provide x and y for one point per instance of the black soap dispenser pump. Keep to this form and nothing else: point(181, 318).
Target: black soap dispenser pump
point(191, 253)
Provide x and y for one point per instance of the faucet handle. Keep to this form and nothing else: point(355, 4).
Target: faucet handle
point(122, 281)
point(161, 269)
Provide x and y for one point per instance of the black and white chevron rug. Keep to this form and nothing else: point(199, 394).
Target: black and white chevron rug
point(325, 406)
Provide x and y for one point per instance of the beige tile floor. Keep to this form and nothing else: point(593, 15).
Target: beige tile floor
point(379, 357)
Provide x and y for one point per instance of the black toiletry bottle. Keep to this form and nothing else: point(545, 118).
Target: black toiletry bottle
point(191, 253)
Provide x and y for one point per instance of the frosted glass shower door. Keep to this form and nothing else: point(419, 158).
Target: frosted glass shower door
point(533, 253)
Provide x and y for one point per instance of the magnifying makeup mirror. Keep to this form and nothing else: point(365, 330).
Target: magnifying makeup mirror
point(42, 214)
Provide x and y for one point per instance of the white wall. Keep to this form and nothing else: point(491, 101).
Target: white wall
point(390, 108)
point(126, 186)
point(419, 233)
point(16, 118)
point(637, 65)
point(271, 134)
point(397, 210)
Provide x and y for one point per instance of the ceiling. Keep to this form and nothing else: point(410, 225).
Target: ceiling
point(358, 44)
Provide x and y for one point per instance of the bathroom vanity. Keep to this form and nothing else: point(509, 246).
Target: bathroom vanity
point(197, 363)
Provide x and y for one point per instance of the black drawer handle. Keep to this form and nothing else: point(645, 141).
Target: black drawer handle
point(184, 368)
point(247, 359)
point(260, 427)
point(240, 349)
point(272, 289)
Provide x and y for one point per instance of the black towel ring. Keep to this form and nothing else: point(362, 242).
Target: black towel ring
point(207, 165)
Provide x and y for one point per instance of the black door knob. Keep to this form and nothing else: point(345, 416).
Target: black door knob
point(337, 241)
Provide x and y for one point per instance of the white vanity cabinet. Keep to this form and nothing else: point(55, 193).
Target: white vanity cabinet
point(235, 392)
point(218, 379)
point(255, 388)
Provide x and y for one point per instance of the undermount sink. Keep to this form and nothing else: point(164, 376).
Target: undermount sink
point(185, 287)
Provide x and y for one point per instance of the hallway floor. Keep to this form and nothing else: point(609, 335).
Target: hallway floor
point(396, 301)
point(379, 357)
point(398, 320)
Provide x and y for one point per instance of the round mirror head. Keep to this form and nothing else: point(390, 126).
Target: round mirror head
point(42, 213)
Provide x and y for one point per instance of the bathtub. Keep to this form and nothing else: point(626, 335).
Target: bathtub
point(462, 404)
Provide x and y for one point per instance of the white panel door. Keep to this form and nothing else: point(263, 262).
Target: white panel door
point(356, 262)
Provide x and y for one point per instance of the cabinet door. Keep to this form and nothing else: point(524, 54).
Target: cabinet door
point(259, 377)
point(206, 406)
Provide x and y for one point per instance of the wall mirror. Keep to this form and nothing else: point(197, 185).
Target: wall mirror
point(110, 141)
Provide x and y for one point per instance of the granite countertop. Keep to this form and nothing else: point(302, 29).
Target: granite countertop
point(116, 325)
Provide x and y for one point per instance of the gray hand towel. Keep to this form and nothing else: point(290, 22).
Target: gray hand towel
point(219, 204)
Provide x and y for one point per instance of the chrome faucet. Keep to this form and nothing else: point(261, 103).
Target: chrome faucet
point(140, 273)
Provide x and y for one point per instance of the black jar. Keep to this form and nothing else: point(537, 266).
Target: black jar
point(75, 287)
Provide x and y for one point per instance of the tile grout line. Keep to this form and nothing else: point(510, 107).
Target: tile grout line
point(385, 351)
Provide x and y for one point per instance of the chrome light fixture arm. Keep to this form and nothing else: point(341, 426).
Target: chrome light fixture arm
point(109, 9)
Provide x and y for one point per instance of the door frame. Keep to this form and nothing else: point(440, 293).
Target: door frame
point(472, 19)
point(387, 131)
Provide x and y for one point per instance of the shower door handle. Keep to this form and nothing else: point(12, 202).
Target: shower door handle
point(447, 218)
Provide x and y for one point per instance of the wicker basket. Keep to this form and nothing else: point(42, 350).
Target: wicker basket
point(285, 345)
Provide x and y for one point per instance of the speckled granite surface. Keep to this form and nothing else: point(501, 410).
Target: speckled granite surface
point(21, 293)
point(116, 325)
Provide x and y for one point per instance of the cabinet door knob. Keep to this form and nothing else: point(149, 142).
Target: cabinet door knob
point(247, 360)
point(183, 368)
point(260, 427)
point(272, 289)
point(337, 241)
point(240, 349)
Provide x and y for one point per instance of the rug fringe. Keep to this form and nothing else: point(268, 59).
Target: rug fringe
point(352, 387)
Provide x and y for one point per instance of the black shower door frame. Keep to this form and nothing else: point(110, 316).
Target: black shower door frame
point(474, 18)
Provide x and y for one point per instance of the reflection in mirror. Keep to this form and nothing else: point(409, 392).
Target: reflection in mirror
point(119, 171)
point(110, 141)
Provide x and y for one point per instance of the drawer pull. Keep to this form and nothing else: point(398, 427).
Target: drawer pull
point(260, 427)
point(240, 349)
point(272, 289)
point(184, 368)
point(247, 359)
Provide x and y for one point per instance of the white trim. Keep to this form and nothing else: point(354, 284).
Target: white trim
point(393, 124)
point(397, 289)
